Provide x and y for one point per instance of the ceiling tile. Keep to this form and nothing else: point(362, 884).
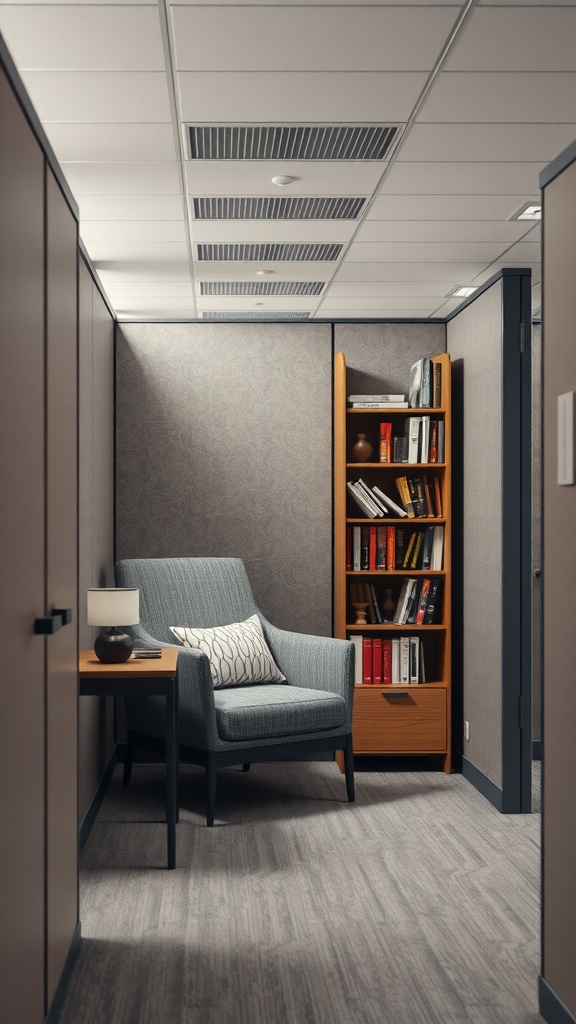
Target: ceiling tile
point(55, 37)
point(131, 251)
point(312, 3)
point(455, 273)
point(494, 268)
point(414, 303)
point(257, 303)
point(143, 289)
point(272, 231)
point(91, 3)
point(464, 178)
point(393, 290)
point(142, 270)
point(132, 178)
point(440, 231)
point(244, 271)
point(449, 207)
point(283, 96)
point(111, 142)
point(162, 303)
point(130, 207)
point(528, 251)
point(399, 313)
point(136, 96)
point(132, 231)
point(516, 39)
point(254, 177)
point(422, 252)
point(310, 38)
point(501, 97)
point(516, 142)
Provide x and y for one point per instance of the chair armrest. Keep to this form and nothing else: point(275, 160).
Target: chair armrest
point(196, 708)
point(318, 662)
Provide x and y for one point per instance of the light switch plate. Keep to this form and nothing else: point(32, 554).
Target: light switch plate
point(566, 439)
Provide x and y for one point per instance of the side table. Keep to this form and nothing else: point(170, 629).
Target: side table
point(151, 676)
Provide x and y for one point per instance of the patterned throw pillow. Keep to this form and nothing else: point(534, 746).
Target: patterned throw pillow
point(238, 653)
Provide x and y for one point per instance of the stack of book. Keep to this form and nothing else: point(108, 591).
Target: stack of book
point(398, 661)
point(146, 652)
point(377, 401)
point(393, 548)
point(425, 389)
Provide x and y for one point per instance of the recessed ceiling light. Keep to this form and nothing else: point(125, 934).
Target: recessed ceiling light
point(461, 291)
point(262, 273)
point(528, 211)
point(282, 179)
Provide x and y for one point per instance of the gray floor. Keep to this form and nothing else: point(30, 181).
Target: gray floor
point(419, 904)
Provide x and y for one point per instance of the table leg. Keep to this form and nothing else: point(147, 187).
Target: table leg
point(171, 772)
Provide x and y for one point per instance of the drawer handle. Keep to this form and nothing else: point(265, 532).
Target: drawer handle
point(395, 693)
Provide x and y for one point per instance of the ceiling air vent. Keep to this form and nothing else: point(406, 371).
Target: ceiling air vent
point(261, 287)
point(291, 142)
point(278, 207)
point(269, 253)
point(270, 314)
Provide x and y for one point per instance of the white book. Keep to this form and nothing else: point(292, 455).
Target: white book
point(406, 592)
point(415, 659)
point(395, 668)
point(391, 504)
point(425, 439)
point(368, 507)
point(356, 548)
point(378, 405)
point(384, 399)
point(414, 438)
point(357, 641)
point(377, 501)
point(437, 548)
point(404, 659)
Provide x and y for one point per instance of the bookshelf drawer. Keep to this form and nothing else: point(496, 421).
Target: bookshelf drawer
point(388, 720)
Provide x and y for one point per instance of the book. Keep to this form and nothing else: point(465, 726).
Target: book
point(425, 439)
point(400, 546)
point(433, 446)
point(426, 386)
point(374, 606)
point(428, 496)
point(371, 497)
point(372, 548)
point(356, 547)
point(422, 601)
point(390, 546)
point(381, 539)
point(366, 660)
point(422, 665)
point(356, 639)
point(377, 661)
point(378, 405)
point(437, 497)
point(365, 540)
point(403, 491)
point(441, 433)
point(406, 591)
point(368, 508)
point(385, 442)
point(427, 545)
point(419, 498)
point(348, 549)
point(395, 668)
point(414, 673)
point(437, 387)
point(416, 550)
point(420, 386)
point(412, 609)
point(414, 438)
point(408, 551)
point(437, 552)
point(433, 610)
point(400, 448)
point(386, 662)
point(383, 399)
point(388, 501)
point(404, 659)
point(415, 384)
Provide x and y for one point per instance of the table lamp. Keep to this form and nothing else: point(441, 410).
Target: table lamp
point(113, 606)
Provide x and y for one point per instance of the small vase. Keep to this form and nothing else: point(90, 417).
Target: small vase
point(362, 450)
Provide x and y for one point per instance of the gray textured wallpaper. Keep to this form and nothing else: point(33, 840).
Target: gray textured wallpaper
point(475, 341)
point(224, 447)
point(379, 356)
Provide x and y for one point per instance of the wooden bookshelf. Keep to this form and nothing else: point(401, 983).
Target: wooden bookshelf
point(410, 719)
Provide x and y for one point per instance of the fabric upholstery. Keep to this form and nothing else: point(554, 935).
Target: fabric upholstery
point(238, 652)
point(266, 712)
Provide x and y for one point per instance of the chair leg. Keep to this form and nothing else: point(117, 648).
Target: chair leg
point(349, 769)
point(211, 775)
point(128, 759)
point(245, 767)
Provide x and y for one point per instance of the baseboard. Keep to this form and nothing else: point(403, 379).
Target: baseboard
point(483, 784)
point(551, 1006)
point(96, 801)
point(60, 993)
point(537, 750)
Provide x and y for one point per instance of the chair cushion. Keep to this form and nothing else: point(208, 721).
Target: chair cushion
point(266, 712)
point(238, 653)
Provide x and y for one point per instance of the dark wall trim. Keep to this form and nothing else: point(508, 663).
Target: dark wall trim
point(60, 993)
point(551, 1006)
point(312, 320)
point(96, 802)
point(537, 750)
point(559, 164)
point(95, 278)
point(483, 784)
point(32, 117)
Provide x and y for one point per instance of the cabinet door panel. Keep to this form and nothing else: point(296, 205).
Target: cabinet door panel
point(399, 721)
point(62, 572)
point(21, 566)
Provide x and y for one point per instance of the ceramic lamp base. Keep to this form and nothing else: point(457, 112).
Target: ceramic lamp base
point(113, 646)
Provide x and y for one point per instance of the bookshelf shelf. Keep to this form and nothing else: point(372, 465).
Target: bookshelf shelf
point(401, 717)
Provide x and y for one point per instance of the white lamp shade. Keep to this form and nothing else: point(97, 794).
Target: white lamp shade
point(113, 606)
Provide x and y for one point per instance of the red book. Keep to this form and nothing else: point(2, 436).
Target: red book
point(387, 662)
point(372, 548)
point(433, 454)
point(348, 549)
point(391, 546)
point(385, 442)
point(366, 660)
point(381, 540)
point(437, 496)
point(377, 661)
point(423, 601)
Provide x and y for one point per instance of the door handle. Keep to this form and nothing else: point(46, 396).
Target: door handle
point(52, 623)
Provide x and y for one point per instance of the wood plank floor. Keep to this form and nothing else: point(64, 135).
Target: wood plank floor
point(419, 904)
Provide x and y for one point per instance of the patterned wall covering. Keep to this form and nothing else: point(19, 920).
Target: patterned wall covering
point(379, 356)
point(474, 343)
point(224, 447)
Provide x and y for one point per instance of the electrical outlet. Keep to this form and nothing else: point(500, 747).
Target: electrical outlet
point(467, 730)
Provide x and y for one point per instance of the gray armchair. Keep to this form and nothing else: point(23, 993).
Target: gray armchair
point(311, 712)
